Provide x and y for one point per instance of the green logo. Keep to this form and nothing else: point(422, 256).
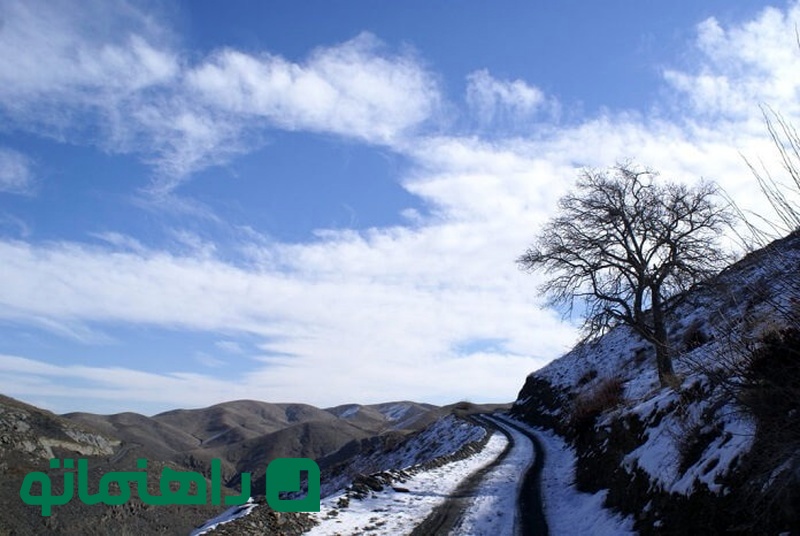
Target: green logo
point(283, 476)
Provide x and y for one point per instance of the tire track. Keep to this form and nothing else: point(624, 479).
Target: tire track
point(445, 516)
point(530, 518)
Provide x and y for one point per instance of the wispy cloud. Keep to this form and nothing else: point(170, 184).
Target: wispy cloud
point(208, 360)
point(16, 172)
point(342, 326)
point(231, 347)
point(120, 240)
point(506, 103)
point(62, 60)
point(72, 70)
point(114, 389)
point(14, 226)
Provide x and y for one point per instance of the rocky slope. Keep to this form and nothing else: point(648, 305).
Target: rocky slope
point(717, 454)
point(29, 437)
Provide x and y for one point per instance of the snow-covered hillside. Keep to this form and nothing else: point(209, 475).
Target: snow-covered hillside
point(397, 508)
point(444, 437)
point(677, 459)
point(429, 461)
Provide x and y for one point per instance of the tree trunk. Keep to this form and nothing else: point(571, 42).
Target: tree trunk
point(666, 375)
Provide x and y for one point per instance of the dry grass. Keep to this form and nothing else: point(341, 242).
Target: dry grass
point(606, 395)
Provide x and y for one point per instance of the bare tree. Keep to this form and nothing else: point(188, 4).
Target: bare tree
point(622, 243)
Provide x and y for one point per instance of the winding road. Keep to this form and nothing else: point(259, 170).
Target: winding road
point(482, 502)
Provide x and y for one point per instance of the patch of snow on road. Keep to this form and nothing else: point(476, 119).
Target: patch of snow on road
point(494, 509)
point(391, 512)
point(568, 510)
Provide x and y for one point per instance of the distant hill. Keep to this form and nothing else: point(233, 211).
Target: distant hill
point(246, 434)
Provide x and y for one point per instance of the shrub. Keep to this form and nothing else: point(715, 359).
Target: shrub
point(606, 395)
point(770, 383)
point(587, 377)
point(694, 336)
point(769, 388)
point(694, 442)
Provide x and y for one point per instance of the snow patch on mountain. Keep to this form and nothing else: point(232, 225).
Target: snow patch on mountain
point(231, 514)
point(395, 412)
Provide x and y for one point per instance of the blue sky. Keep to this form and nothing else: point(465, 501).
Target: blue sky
point(322, 201)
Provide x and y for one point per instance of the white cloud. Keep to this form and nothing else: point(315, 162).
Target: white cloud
point(16, 172)
point(61, 59)
point(745, 64)
point(385, 313)
point(348, 327)
point(352, 89)
point(353, 309)
point(107, 384)
point(372, 316)
point(513, 102)
point(179, 136)
point(193, 243)
point(106, 73)
point(65, 388)
point(209, 360)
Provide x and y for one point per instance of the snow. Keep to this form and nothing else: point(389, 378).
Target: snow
point(727, 314)
point(444, 436)
point(391, 512)
point(350, 411)
point(568, 510)
point(395, 412)
point(720, 455)
point(494, 508)
point(232, 513)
